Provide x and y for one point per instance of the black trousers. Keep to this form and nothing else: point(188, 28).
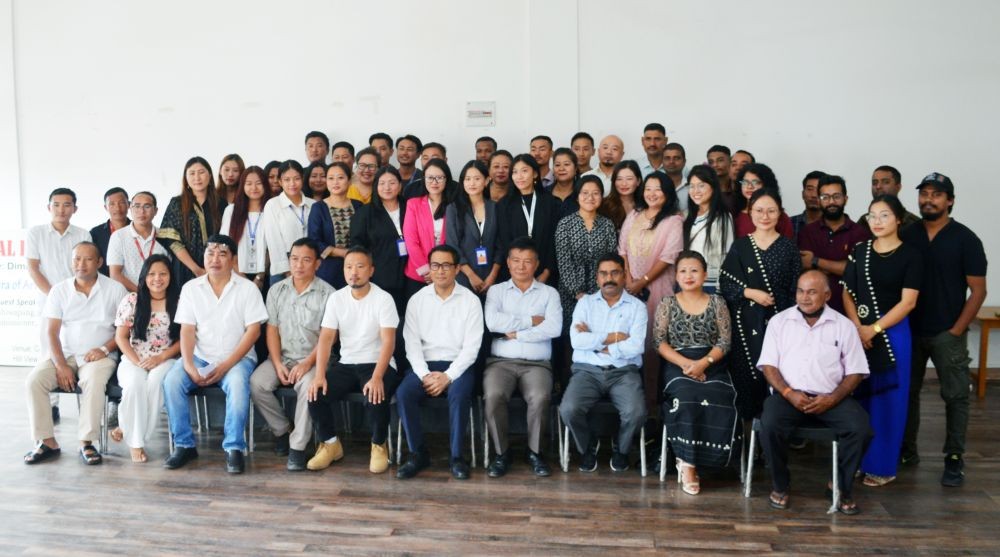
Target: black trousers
point(343, 379)
point(847, 419)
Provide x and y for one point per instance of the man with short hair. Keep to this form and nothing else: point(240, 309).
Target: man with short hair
point(523, 315)
point(609, 154)
point(317, 144)
point(80, 316)
point(718, 157)
point(294, 309)
point(826, 243)
point(739, 161)
point(654, 140)
point(443, 331)
point(810, 197)
point(432, 150)
point(342, 151)
point(116, 205)
point(953, 290)
point(382, 143)
point(541, 150)
point(608, 335)
point(813, 359)
point(408, 148)
point(500, 166)
point(674, 166)
point(364, 318)
point(131, 246)
point(886, 180)
point(220, 314)
point(485, 147)
point(582, 144)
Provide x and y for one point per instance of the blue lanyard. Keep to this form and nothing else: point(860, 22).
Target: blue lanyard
point(252, 229)
point(302, 219)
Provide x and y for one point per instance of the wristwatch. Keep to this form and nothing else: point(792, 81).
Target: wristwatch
point(815, 262)
point(104, 349)
point(877, 328)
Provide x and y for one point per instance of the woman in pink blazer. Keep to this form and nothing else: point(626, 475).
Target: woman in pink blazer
point(424, 226)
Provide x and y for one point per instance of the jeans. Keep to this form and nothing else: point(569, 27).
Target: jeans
point(235, 383)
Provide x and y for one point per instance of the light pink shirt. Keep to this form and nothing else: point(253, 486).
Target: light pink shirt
point(813, 359)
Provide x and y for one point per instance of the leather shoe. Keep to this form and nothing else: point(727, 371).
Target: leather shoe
point(180, 457)
point(499, 466)
point(296, 460)
point(538, 464)
point(281, 445)
point(234, 462)
point(415, 462)
point(459, 468)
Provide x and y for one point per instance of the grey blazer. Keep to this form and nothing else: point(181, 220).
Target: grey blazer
point(464, 236)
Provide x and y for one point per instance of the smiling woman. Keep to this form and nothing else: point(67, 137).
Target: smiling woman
point(190, 219)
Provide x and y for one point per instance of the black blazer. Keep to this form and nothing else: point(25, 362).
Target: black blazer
point(514, 225)
point(372, 228)
point(321, 231)
point(464, 236)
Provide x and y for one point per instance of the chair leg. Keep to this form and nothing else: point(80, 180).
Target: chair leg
point(565, 454)
point(663, 454)
point(204, 404)
point(472, 434)
point(250, 444)
point(749, 475)
point(388, 442)
point(642, 450)
point(486, 440)
point(399, 440)
point(835, 502)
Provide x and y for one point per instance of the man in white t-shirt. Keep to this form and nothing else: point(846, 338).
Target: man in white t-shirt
point(129, 247)
point(220, 314)
point(364, 317)
point(80, 316)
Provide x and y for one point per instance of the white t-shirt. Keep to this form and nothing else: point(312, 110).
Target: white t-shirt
point(87, 321)
point(128, 249)
point(220, 321)
point(251, 250)
point(359, 323)
point(53, 250)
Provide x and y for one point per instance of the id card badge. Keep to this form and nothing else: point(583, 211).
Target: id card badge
point(401, 247)
point(481, 256)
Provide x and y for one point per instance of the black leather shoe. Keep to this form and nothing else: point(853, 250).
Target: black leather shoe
point(459, 469)
point(296, 460)
point(415, 462)
point(180, 457)
point(954, 471)
point(281, 445)
point(499, 466)
point(234, 462)
point(538, 464)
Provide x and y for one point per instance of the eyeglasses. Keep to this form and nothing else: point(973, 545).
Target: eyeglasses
point(142, 207)
point(442, 266)
point(751, 183)
point(768, 212)
point(434, 179)
point(880, 217)
point(367, 166)
point(831, 197)
point(699, 186)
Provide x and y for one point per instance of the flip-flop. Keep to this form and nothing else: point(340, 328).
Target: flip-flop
point(41, 453)
point(780, 502)
point(90, 455)
point(848, 507)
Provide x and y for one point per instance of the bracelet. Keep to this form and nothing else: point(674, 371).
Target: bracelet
point(710, 359)
point(877, 328)
point(786, 391)
point(645, 278)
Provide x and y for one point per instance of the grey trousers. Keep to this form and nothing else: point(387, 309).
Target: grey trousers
point(587, 386)
point(534, 380)
point(263, 383)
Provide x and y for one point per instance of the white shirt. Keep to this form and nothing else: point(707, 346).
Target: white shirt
point(283, 224)
point(53, 250)
point(449, 330)
point(87, 321)
point(251, 250)
point(220, 321)
point(716, 253)
point(508, 310)
point(605, 179)
point(359, 323)
point(130, 250)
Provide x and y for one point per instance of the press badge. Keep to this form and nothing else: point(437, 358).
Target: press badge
point(401, 247)
point(481, 256)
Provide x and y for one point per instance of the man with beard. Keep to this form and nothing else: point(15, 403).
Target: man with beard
point(954, 264)
point(608, 335)
point(886, 180)
point(609, 153)
point(485, 147)
point(654, 139)
point(718, 157)
point(826, 243)
point(810, 196)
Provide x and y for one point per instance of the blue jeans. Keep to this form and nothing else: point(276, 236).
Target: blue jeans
point(411, 393)
point(235, 383)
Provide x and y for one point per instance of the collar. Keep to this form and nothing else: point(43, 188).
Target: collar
point(848, 225)
point(626, 298)
point(52, 229)
point(827, 315)
point(135, 233)
point(511, 286)
point(284, 200)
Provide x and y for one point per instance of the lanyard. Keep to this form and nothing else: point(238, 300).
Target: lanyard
point(301, 218)
point(252, 229)
point(152, 246)
point(529, 214)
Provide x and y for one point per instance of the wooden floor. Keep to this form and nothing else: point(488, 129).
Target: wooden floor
point(66, 508)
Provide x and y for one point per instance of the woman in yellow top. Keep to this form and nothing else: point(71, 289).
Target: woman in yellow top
point(367, 164)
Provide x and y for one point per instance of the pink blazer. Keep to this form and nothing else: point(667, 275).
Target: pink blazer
point(418, 233)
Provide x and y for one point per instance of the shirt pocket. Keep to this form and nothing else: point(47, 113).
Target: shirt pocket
point(828, 355)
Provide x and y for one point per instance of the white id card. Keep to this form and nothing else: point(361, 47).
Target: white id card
point(481, 260)
point(401, 247)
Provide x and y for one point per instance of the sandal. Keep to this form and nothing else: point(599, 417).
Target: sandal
point(90, 456)
point(139, 455)
point(779, 500)
point(117, 435)
point(871, 480)
point(41, 453)
point(692, 487)
point(848, 507)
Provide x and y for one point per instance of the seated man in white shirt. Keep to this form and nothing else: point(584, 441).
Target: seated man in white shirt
point(80, 314)
point(523, 315)
point(364, 317)
point(220, 315)
point(608, 335)
point(813, 359)
point(443, 332)
point(129, 247)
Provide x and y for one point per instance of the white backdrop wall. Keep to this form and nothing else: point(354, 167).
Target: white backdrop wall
point(108, 93)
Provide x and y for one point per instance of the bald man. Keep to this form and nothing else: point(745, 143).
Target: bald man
point(609, 153)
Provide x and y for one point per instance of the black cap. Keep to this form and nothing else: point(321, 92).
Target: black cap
point(939, 181)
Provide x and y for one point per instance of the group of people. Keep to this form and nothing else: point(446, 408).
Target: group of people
point(661, 288)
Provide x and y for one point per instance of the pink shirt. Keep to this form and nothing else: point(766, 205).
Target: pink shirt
point(813, 359)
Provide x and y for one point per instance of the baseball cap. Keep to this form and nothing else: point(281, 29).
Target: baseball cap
point(939, 181)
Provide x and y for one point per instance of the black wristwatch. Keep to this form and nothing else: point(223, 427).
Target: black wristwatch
point(815, 262)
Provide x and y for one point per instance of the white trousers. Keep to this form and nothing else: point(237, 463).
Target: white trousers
point(142, 400)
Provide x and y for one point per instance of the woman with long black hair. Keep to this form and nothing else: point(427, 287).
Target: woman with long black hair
point(472, 229)
point(190, 219)
point(528, 210)
point(241, 221)
point(708, 227)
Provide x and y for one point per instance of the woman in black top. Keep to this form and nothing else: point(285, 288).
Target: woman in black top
point(378, 226)
point(528, 210)
point(471, 227)
point(881, 284)
point(190, 219)
point(567, 176)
